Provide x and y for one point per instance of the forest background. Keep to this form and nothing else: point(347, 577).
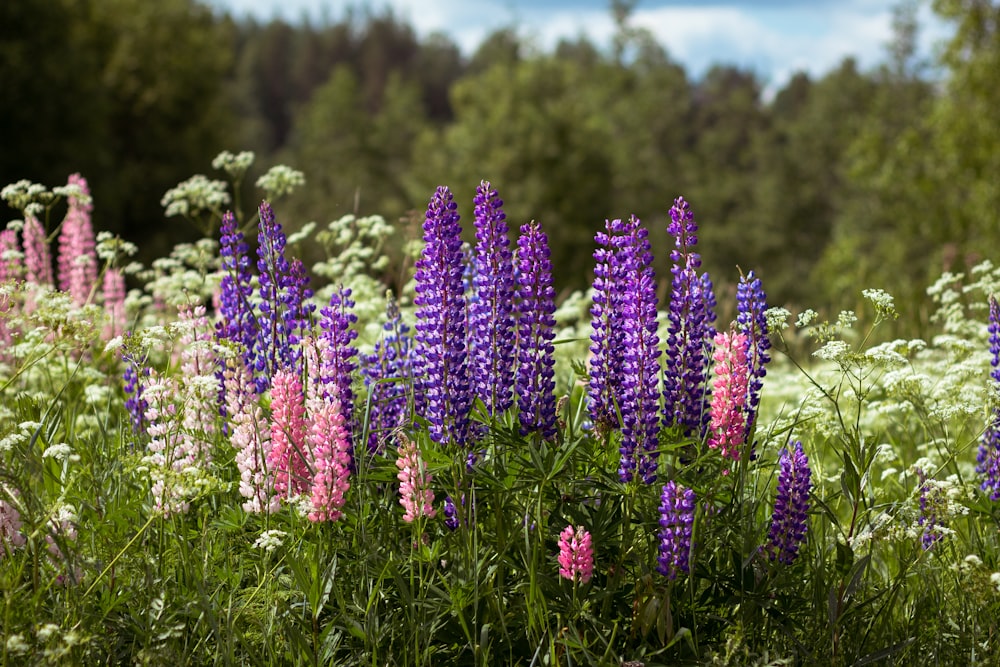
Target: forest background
point(878, 178)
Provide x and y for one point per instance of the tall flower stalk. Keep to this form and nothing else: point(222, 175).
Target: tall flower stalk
point(677, 505)
point(330, 452)
point(607, 326)
point(690, 330)
point(415, 494)
point(288, 457)
point(536, 384)
point(788, 523)
point(442, 389)
point(338, 356)
point(988, 459)
point(751, 304)
point(77, 246)
point(729, 396)
point(388, 374)
point(491, 330)
point(640, 351)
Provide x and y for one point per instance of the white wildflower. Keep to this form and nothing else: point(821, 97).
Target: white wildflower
point(777, 318)
point(270, 540)
point(280, 180)
point(59, 452)
point(995, 580)
point(234, 165)
point(834, 350)
point(806, 317)
point(16, 645)
point(884, 304)
point(46, 632)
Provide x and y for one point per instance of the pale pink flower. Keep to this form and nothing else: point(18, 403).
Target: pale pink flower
point(37, 260)
point(576, 554)
point(729, 394)
point(11, 267)
point(77, 248)
point(251, 438)
point(330, 453)
point(415, 493)
point(10, 524)
point(287, 459)
point(114, 303)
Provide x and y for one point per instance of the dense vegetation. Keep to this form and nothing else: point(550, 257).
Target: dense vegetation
point(877, 177)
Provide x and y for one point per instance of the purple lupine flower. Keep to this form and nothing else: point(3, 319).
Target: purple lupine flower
point(135, 404)
point(337, 357)
point(751, 302)
point(387, 376)
point(788, 524)
point(284, 312)
point(237, 322)
point(988, 459)
point(491, 330)
point(536, 384)
point(641, 359)
point(442, 389)
point(690, 331)
point(607, 330)
point(677, 506)
point(932, 504)
point(450, 514)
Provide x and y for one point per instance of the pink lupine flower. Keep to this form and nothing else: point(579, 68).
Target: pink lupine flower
point(576, 554)
point(416, 496)
point(199, 386)
point(288, 434)
point(37, 260)
point(11, 267)
point(729, 395)
point(251, 438)
point(10, 524)
point(114, 303)
point(331, 456)
point(77, 248)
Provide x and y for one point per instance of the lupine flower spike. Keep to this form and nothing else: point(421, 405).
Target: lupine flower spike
point(729, 395)
point(415, 493)
point(988, 459)
point(607, 331)
point(287, 458)
point(535, 332)
point(690, 330)
point(491, 330)
point(443, 393)
point(387, 375)
point(677, 505)
point(576, 554)
point(77, 246)
point(640, 393)
point(788, 525)
point(330, 451)
point(751, 303)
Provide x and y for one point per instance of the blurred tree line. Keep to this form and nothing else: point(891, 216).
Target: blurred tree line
point(879, 178)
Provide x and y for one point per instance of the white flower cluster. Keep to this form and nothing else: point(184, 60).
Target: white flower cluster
point(195, 196)
point(280, 180)
point(270, 540)
point(234, 165)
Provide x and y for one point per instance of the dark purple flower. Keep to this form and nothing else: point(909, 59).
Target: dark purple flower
point(450, 514)
point(676, 524)
point(536, 384)
point(690, 331)
point(751, 302)
point(788, 523)
point(387, 376)
point(284, 313)
point(337, 358)
point(607, 330)
point(641, 358)
point(135, 404)
point(237, 322)
point(442, 391)
point(491, 331)
point(988, 458)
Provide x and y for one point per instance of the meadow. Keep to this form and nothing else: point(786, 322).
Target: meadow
point(228, 457)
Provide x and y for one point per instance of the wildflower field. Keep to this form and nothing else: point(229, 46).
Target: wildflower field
point(243, 460)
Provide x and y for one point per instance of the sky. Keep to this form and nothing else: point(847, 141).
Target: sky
point(773, 38)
